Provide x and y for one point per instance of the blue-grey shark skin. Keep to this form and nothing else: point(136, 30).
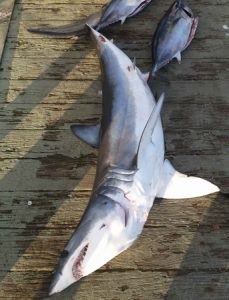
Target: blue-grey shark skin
point(131, 170)
point(127, 105)
point(173, 35)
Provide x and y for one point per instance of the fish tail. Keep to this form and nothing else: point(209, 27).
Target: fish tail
point(74, 30)
point(62, 31)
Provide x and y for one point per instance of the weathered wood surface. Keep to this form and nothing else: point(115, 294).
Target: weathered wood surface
point(48, 84)
point(6, 8)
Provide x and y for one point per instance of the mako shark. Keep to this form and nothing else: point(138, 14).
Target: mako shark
point(131, 169)
point(173, 35)
point(114, 11)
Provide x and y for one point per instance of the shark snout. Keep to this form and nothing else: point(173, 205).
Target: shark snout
point(100, 40)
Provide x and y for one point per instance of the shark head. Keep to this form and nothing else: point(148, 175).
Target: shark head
point(100, 40)
point(101, 235)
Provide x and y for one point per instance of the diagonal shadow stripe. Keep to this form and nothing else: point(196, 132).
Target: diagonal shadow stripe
point(6, 10)
point(46, 199)
point(11, 251)
point(37, 85)
point(199, 277)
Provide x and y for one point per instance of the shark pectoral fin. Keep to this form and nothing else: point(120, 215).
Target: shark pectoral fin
point(178, 57)
point(146, 137)
point(89, 134)
point(175, 185)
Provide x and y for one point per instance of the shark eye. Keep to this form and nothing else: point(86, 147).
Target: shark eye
point(102, 226)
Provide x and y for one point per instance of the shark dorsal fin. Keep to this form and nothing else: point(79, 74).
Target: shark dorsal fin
point(89, 134)
point(148, 130)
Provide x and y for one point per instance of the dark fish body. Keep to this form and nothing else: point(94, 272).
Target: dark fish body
point(173, 35)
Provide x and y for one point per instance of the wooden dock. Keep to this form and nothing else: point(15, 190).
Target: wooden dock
point(46, 174)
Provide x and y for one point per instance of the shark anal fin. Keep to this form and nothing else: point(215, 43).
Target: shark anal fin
point(89, 134)
point(146, 137)
point(175, 185)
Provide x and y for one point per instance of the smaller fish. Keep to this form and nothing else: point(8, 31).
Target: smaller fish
point(173, 35)
point(116, 10)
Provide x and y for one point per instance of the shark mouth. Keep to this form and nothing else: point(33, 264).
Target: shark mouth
point(77, 270)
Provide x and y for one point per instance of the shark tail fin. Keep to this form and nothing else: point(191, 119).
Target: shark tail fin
point(175, 185)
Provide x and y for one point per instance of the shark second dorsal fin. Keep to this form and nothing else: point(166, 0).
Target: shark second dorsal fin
point(175, 185)
point(148, 130)
point(89, 134)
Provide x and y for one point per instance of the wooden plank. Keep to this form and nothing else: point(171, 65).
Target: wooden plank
point(131, 285)
point(214, 17)
point(29, 91)
point(58, 172)
point(55, 117)
point(6, 9)
point(68, 92)
point(88, 68)
point(17, 143)
point(156, 249)
point(48, 48)
point(193, 213)
point(60, 11)
point(164, 243)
